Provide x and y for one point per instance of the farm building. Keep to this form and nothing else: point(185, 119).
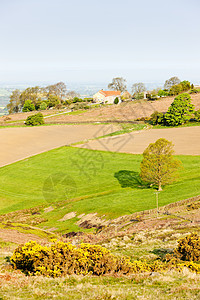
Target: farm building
point(106, 96)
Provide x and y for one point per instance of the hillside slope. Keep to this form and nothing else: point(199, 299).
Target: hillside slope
point(125, 112)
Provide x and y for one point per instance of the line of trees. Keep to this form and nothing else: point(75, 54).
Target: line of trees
point(56, 95)
point(42, 98)
point(172, 87)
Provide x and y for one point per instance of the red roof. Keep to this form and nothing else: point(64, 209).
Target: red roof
point(110, 93)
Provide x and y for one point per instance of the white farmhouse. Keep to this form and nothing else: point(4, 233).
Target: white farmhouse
point(106, 96)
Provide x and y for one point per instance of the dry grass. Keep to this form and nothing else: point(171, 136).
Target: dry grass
point(170, 285)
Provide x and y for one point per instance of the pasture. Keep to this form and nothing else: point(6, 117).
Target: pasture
point(85, 181)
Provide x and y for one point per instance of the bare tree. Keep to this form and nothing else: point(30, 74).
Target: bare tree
point(138, 88)
point(170, 82)
point(14, 104)
point(59, 89)
point(118, 84)
point(72, 94)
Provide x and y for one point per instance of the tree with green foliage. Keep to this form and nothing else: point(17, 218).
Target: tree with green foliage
point(197, 115)
point(53, 100)
point(185, 85)
point(157, 118)
point(163, 93)
point(31, 93)
point(158, 166)
point(180, 111)
point(28, 106)
point(35, 120)
point(116, 101)
point(176, 89)
point(43, 105)
point(118, 84)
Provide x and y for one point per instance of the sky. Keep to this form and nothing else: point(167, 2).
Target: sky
point(94, 41)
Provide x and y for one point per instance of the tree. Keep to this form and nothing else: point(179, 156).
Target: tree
point(185, 85)
point(14, 104)
point(170, 82)
point(35, 120)
point(31, 93)
point(156, 118)
point(53, 100)
point(118, 84)
point(43, 105)
point(116, 101)
point(180, 111)
point(28, 106)
point(176, 89)
point(158, 166)
point(197, 115)
point(72, 94)
point(138, 88)
point(59, 90)
point(163, 93)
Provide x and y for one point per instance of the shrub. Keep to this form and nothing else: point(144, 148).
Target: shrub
point(35, 120)
point(82, 105)
point(28, 106)
point(43, 106)
point(197, 115)
point(139, 96)
point(116, 101)
point(194, 91)
point(157, 118)
point(188, 248)
point(180, 111)
point(64, 258)
point(163, 93)
point(61, 259)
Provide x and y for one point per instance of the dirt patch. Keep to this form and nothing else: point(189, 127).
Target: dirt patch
point(92, 221)
point(68, 216)
point(20, 143)
point(14, 236)
point(186, 141)
point(48, 209)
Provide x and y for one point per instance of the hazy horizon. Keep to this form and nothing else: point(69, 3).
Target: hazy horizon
point(91, 41)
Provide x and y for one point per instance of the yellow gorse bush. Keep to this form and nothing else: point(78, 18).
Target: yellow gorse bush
point(64, 258)
point(188, 248)
point(61, 259)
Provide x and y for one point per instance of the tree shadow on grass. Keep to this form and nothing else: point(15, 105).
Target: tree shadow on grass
point(130, 179)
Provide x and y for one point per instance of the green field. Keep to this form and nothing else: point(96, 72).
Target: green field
point(88, 181)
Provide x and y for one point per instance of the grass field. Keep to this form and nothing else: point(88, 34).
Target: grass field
point(88, 181)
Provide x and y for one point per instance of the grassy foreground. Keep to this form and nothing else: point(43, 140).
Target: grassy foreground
point(149, 245)
point(86, 181)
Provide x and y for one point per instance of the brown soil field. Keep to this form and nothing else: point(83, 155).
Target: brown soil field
point(21, 142)
point(23, 116)
point(127, 111)
point(186, 141)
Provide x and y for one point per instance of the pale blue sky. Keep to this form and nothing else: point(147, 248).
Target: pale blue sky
point(92, 40)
